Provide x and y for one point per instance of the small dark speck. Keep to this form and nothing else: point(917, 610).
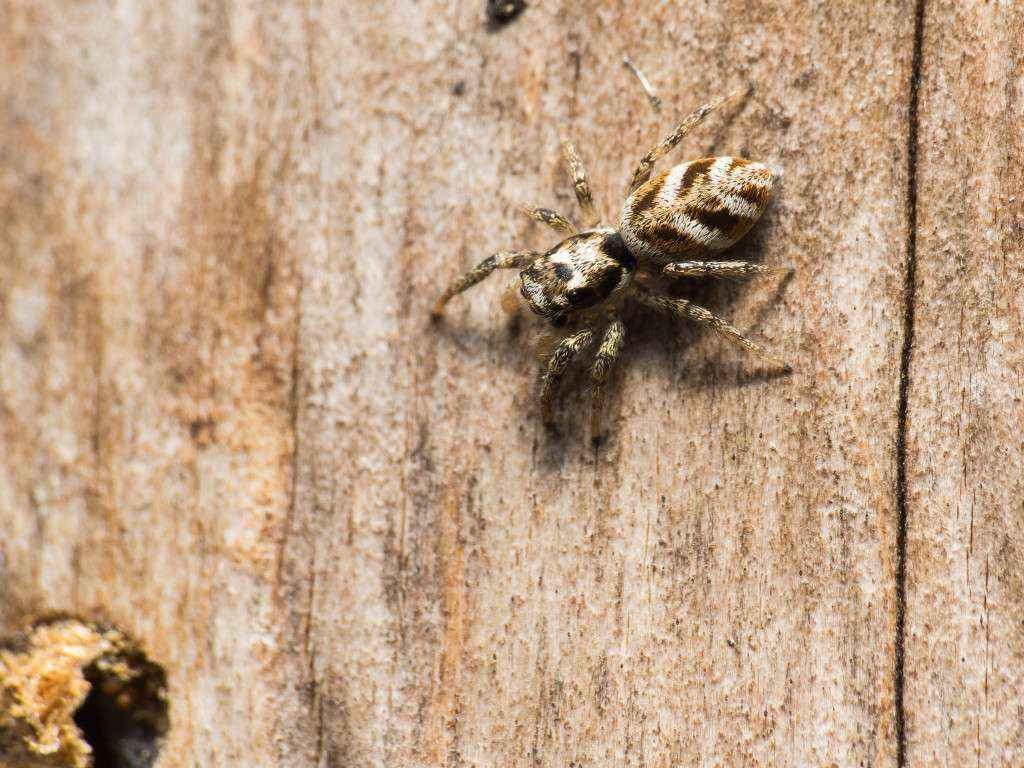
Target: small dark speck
point(777, 120)
point(201, 428)
point(501, 12)
point(804, 81)
point(459, 88)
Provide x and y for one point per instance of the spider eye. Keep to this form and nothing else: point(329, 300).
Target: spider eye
point(580, 295)
point(563, 272)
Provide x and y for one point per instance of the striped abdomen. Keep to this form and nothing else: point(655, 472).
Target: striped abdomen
point(699, 207)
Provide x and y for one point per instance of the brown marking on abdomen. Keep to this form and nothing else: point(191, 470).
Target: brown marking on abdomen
point(694, 174)
point(668, 239)
point(650, 194)
point(755, 194)
point(718, 218)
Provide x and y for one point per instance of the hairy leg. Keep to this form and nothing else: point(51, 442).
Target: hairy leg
point(611, 345)
point(557, 362)
point(682, 308)
point(580, 183)
point(501, 260)
point(643, 168)
point(652, 97)
point(553, 219)
point(720, 269)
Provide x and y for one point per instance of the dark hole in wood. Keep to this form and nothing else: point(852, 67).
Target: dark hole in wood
point(501, 12)
point(124, 721)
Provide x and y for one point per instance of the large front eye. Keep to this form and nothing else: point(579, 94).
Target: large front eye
point(581, 296)
point(562, 272)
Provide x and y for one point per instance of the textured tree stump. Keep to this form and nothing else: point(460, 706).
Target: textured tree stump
point(229, 430)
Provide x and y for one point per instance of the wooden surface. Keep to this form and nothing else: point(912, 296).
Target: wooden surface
point(230, 430)
point(965, 496)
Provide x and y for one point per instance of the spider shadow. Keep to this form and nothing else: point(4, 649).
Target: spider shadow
point(663, 343)
point(472, 337)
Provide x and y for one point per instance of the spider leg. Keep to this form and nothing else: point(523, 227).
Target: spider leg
point(643, 168)
point(611, 345)
point(500, 260)
point(652, 97)
point(720, 269)
point(580, 183)
point(557, 362)
point(553, 219)
point(682, 308)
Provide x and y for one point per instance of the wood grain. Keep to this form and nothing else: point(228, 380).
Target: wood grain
point(231, 431)
point(965, 497)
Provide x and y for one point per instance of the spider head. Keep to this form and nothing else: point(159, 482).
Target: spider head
point(580, 272)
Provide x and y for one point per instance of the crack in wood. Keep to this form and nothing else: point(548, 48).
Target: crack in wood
point(906, 354)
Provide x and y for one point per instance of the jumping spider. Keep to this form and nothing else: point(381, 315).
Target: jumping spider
point(669, 224)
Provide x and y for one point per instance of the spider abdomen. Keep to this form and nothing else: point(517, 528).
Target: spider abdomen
point(703, 206)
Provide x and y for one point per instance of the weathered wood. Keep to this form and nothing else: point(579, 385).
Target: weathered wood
point(965, 496)
point(230, 430)
point(714, 585)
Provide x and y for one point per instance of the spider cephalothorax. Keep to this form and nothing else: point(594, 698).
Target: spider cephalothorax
point(581, 271)
point(670, 224)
